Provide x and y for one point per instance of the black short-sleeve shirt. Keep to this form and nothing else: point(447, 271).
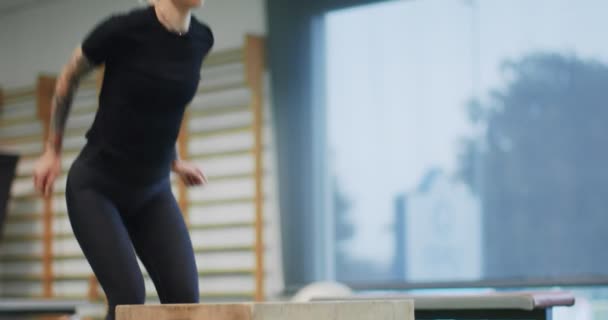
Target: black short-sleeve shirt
point(151, 74)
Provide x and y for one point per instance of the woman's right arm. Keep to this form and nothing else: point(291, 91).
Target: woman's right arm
point(66, 87)
point(49, 165)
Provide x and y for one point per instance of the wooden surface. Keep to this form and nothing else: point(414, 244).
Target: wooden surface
point(183, 153)
point(44, 96)
point(254, 62)
point(93, 288)
point(354, 310)
point(185, 311)
point(46, 89)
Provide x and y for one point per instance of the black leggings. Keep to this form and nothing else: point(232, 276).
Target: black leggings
point(111, 215)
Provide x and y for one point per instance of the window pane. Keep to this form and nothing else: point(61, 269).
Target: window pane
point(466, 139)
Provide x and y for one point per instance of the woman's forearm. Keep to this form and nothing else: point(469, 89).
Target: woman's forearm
point(66, 86)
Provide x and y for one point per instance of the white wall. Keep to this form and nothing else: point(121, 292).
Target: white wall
point(40, 39)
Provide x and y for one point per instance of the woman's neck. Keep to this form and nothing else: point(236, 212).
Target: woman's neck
point(173, 17)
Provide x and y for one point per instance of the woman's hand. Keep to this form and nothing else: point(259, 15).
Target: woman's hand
point(190, 174)
point(47, 169)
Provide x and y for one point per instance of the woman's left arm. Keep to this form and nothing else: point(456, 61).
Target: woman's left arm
point(188, 172)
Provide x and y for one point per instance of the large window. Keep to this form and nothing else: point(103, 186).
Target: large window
point(467, 140)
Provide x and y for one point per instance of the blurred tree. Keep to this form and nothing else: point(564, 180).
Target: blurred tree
point(541, 168)
point(348, 267)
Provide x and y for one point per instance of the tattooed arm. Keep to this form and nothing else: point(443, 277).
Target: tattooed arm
point(66, 86)
point(48, 167)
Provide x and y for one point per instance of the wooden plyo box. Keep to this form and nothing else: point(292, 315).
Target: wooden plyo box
point(351, 310)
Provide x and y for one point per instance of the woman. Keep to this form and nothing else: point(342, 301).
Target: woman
point(118, 190)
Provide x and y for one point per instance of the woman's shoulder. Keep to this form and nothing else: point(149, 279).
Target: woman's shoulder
point(201, 30)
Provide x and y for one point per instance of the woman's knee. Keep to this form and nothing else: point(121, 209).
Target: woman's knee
point(185, 293)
